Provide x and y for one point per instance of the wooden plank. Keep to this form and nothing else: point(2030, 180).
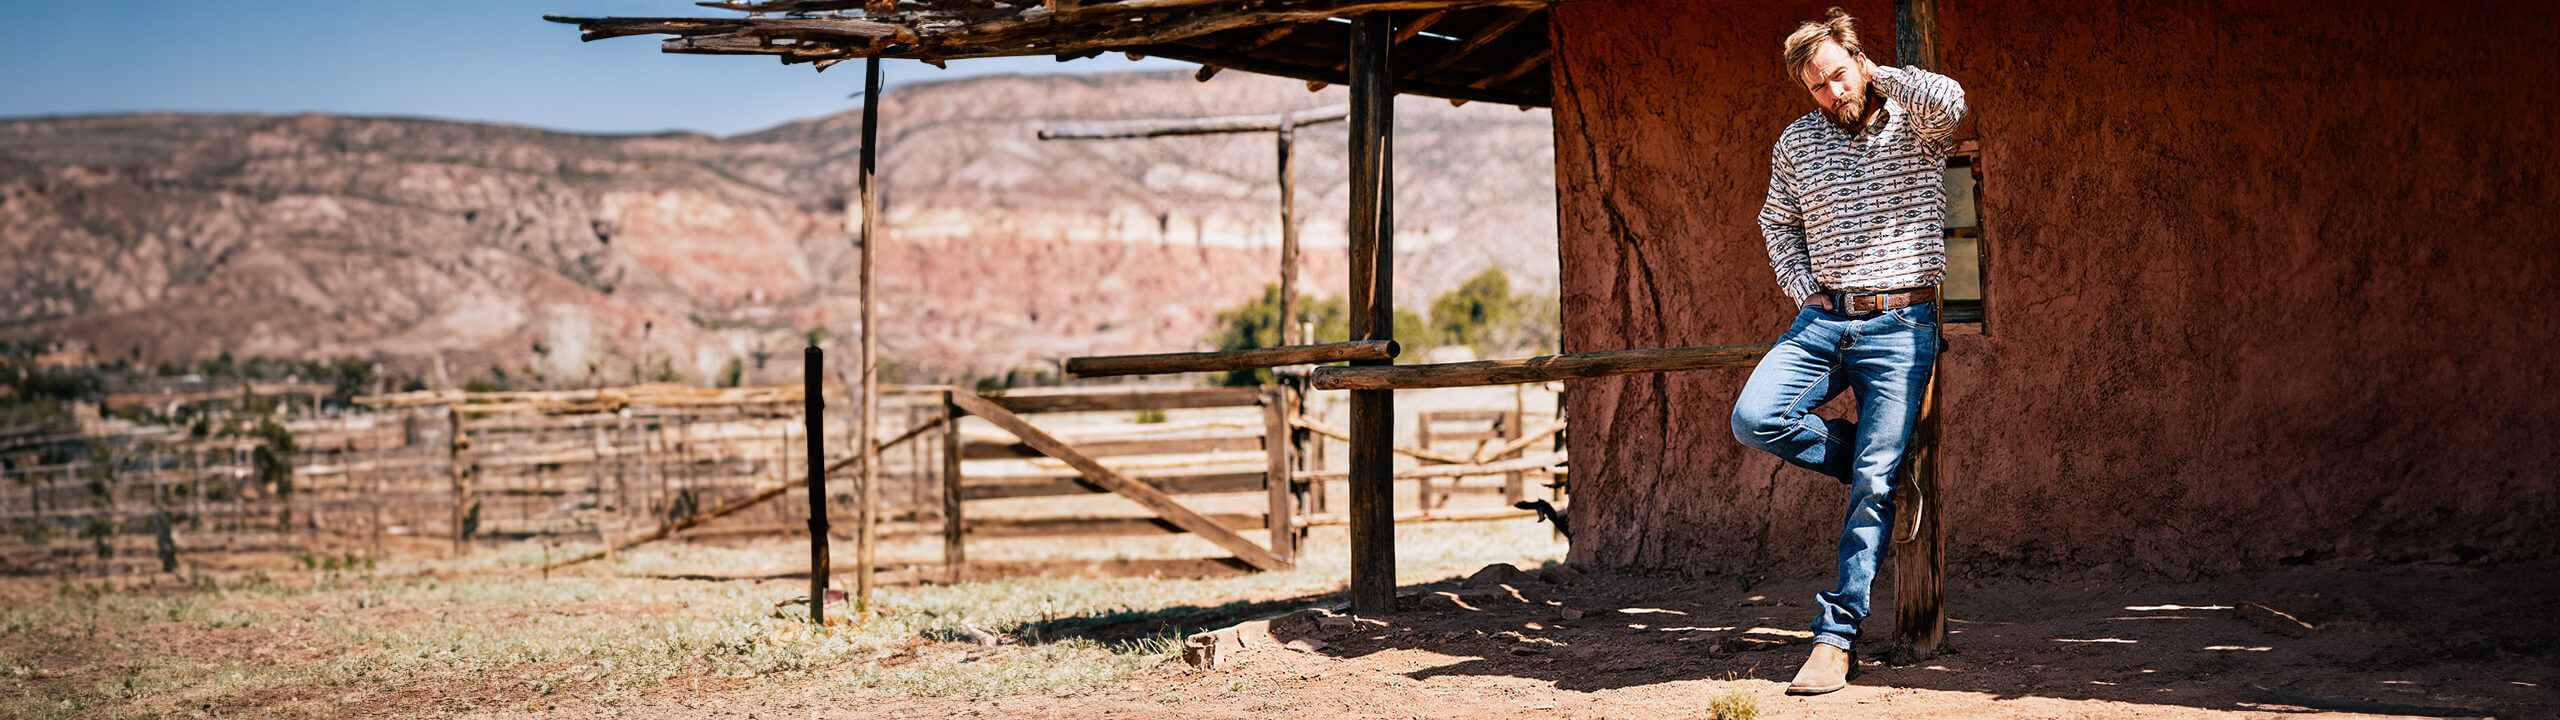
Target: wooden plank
point(995, 488)
point(1106, 402)
point(993, 450)
point(1276, 481)
point(1145, 496)
point(1324, 519)
point(1106, 526)
point(1372, 310)
point(1229, 360)
point(1533, 463)
point(1538, 369)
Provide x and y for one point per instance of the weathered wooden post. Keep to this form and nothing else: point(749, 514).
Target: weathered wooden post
point(813, 404)
point(866, 550)
point(1920, 553)
point(1279, 519)
point(462, 469)
point(1373, 512)
point(952, 555)
point(1288, 239)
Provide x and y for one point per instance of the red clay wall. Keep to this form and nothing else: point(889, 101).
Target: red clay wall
point(2270, 282)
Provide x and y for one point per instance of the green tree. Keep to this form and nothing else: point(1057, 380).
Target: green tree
point(1483, 314)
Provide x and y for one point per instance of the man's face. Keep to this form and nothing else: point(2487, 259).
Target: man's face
point(1838, 82)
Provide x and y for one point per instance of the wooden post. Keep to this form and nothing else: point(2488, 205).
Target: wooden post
point(1288, 237)
point(1514, 485)
point(1372, 300)
point(1920, 553)
point(1275, 445)
point(462, 469)
point(952, 549)
point(813, 407)
point(866, 550)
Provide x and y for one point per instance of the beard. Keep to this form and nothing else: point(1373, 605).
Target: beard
point(1851, 113)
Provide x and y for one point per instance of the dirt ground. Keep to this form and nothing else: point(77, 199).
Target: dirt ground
point(2360, 642)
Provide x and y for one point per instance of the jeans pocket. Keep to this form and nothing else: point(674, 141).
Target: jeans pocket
point(1923, 316)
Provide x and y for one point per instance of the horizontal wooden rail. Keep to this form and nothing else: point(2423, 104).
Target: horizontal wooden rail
point(1433, 516)
point(1527, 464)
point(1037, 486)
point(1537, 369)
point(1224, 360)
point(1150, 400)
point(992, 450)
point(1321, 427)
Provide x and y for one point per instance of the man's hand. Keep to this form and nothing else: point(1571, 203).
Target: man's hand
point(1818, 300)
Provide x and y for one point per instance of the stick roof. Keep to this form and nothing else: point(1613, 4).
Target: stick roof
point(1479, 50)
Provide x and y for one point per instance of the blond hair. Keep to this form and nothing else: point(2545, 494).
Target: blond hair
point(1835, 26)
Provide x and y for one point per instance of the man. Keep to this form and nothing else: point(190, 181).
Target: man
point(1854, 230)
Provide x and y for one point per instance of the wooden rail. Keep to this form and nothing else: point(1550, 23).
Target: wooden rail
point(1225, 360)
point(1537, 369)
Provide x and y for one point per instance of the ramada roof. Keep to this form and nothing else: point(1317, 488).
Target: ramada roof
point(1478, 50)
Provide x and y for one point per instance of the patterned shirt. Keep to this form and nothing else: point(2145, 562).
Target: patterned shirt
point(1864, 211)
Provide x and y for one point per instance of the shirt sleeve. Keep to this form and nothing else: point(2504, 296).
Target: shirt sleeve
point(1782, 227)
point(1935, 101)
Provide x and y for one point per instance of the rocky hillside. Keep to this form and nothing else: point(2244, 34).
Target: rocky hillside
point(450, 248)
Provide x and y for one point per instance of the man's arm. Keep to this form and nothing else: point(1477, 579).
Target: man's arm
point(1935, 101)
point(1782, 226)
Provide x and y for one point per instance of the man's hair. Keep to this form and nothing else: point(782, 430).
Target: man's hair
point(1835, 26)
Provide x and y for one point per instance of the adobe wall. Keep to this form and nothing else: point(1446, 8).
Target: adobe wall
point(2267, 283)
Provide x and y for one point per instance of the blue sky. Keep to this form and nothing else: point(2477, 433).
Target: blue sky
point(479, 60)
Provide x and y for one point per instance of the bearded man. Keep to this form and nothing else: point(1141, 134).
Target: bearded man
point(1855, 231)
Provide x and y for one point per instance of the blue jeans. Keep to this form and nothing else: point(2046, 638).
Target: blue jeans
point(1884, 358)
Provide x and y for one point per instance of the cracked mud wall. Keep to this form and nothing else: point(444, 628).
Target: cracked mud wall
point(2263, 283)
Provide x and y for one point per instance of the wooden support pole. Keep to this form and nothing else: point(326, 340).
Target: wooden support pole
point(1276, 480)
point(866, 551)
point(1146, 495)
point(1223, 360)
point(1372, 300)
point(1538, 369)
point(1289, 234)
point(1920, 550)
point(814, 409)
point(462, 492)
point(952, 547)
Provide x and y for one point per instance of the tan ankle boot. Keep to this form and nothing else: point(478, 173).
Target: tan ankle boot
point(1825, 671)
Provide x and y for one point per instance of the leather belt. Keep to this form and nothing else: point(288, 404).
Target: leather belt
point(1853, 302)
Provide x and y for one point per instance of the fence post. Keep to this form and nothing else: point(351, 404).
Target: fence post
point(813, 408)
point(1275, 445)
point(953, 553)
point(462, 470)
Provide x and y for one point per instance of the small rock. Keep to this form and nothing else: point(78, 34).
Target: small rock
point(1569, 614)
point(1212, 650)
point(1559, 574)
point(1334, 622)
point(1305, 645)
point(1495, 574)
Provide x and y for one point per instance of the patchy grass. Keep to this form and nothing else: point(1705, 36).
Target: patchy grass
point(492, 631)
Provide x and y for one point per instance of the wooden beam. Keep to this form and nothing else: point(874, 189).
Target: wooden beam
point(1195, 126)
point(1372, 307)
point(990, 450)
point(1324, 519)
point(1225, 360)
point(1288, 310)
point(1538, 462)
point(1104, 402)
point(1532, 62)
point(993, 488)
point(1318, 77)
point(1538, 369)
point(1492, 31)
point(1146, 496)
